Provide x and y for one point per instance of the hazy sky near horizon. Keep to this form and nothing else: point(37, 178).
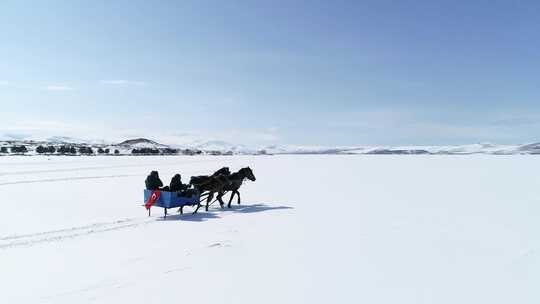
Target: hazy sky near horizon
point(273, 72)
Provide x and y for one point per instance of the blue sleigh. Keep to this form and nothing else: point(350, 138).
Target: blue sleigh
point(174, 200)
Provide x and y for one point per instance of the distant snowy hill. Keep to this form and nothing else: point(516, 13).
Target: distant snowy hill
point(223, 147)
point(65, 139)
point(141, 143)
point(483, 148)
point(531, 148)
point(461, 149)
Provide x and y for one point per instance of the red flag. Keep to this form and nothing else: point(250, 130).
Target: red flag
point(152, 199)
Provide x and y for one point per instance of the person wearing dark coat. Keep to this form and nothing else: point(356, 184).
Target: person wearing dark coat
point(182, 189)
point(176, 184)
point(153, 182)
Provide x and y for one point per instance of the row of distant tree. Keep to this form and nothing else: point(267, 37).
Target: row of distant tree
point(60, 150)
point(165, 151)
point(73, 150)
point(14, 149)
point(19, 149)
point(85, 150)
point(154, 151)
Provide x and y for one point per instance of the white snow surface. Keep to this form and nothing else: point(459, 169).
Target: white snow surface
point(311, 229)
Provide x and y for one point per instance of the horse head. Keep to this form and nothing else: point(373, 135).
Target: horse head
point(248, 173)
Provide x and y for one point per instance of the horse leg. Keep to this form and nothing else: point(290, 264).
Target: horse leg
point(230, 199)
point(182, 210)
point(238, 193)
point(208, 199)
point(197, 209)
point(219, 196)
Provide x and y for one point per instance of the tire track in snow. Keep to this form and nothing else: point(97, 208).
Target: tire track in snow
point(32, 239)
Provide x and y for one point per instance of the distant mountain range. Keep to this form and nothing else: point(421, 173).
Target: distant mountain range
point(147, 146)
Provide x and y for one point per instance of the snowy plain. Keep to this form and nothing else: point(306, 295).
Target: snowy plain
point(311, 229)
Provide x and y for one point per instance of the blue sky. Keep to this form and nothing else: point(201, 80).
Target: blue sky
point(273, 72)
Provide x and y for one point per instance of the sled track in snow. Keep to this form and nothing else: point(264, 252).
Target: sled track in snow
point(31, 239)
point(97, 168)
point(75, 178)
point(61, 179)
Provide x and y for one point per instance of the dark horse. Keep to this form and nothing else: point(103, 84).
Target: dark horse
point(214, 183)
point(195, 180)
point(236, 179)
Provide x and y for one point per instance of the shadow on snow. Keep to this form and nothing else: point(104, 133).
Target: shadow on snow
point(255, 208)
point(202, 215)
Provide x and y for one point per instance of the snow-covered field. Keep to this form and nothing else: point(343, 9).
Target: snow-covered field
point(311, 229)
